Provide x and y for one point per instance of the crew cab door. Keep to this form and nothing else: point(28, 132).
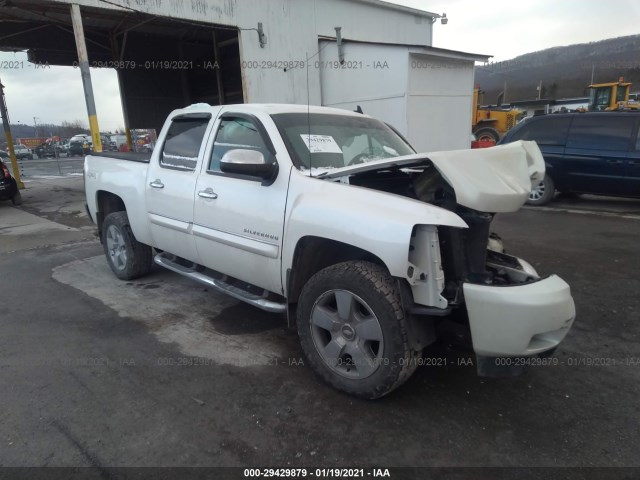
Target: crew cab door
point(239, 219)
point(171, 181)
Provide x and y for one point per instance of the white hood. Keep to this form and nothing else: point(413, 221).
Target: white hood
point(496, 179)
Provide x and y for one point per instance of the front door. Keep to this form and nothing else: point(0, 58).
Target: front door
point(239, 220)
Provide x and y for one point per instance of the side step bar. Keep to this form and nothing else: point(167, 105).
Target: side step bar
point(168, 261)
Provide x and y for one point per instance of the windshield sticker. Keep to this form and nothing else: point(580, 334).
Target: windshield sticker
point(320, 143)
point(390, 151)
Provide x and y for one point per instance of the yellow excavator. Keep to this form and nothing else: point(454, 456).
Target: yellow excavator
point(611, 96)
point(489, 124)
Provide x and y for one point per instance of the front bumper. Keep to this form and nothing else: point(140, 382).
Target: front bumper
point(519, 320)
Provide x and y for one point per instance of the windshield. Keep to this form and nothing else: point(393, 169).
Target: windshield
point(321, 140)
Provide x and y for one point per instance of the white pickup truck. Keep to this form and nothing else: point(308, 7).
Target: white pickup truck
point(330, 217)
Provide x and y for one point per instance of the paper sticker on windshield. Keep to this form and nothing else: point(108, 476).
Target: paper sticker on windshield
point(320, 143)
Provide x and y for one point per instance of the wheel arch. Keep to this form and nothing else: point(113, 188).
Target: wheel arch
point(106, 203)
point(313, 254)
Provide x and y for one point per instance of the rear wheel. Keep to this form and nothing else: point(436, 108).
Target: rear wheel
point(127, 257)
point(353, 330)
point(543, 192)
point(487, 134)
point(17, 198)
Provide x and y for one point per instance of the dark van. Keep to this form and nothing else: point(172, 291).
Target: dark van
point(596, 152)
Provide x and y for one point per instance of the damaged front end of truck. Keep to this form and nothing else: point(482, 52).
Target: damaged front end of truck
point(461, 278)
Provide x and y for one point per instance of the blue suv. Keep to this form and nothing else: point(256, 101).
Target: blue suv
point(596, 152)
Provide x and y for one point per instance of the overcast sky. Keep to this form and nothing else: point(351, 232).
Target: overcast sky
point(502, 28)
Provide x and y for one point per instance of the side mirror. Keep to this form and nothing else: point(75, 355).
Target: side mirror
point(247, 162)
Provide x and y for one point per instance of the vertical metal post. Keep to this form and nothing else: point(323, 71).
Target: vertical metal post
point(184, 81)
point(118, 54)
point(83, 61)
point(7, 132)
point(216, 59)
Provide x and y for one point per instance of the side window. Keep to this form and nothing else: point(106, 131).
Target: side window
point(234, 133)
point(601, 132)
point(545, 131)
point(183, 141)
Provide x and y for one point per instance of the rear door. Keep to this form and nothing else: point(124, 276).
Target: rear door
point(596, 156)
point(171, 181)
point(238, 219)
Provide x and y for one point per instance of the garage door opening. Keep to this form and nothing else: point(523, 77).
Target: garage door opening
point(162, 63)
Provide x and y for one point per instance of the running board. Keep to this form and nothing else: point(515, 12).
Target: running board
point(168, 261)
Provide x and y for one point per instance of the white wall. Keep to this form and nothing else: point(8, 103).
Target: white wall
point(292, 28)
point(375, 79)
point(439, 102)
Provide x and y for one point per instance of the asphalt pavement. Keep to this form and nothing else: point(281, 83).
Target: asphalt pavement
point(162, 372)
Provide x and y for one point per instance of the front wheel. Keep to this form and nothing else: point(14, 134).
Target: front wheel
point(542, 193)
point(127, 257)
point(353, 330)
point(487, 134)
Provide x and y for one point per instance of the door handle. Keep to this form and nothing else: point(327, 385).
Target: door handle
point(156, 184)
point(208, 193)
point(614, 162)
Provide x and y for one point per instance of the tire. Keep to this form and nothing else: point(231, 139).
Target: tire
point(17, 198)
point(353, 330)
point(487, 133)
point(127, 257)
point(543, 193)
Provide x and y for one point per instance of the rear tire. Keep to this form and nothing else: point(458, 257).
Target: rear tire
point(353, 329)
point(17, 199)
point(487, 133)
point(543, 193)
point(127, 257)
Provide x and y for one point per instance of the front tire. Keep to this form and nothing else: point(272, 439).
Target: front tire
point(487, 134)
point(543, 193)
point(127, 257)
point(353, 330)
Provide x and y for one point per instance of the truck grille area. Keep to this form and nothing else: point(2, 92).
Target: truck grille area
point(464, 251)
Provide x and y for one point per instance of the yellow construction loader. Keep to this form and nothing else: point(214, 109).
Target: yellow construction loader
point(611, 96)
point(490, 123)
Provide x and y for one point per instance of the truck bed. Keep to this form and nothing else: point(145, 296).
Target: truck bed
point(141, 157)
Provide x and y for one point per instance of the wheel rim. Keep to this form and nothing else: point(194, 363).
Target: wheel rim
point(347, 334)
point(537, 192)
point(116, 247)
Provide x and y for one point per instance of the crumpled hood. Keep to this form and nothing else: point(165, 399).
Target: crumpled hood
point(496, 179)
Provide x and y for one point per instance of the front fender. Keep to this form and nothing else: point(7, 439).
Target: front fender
point(378, 222)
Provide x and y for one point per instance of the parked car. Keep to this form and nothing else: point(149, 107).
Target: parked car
point(372, 250)
point(79, 145)
point(51, 150)
point(22, 152)
point(8, 186)
point(116, 141)
point(595, 152)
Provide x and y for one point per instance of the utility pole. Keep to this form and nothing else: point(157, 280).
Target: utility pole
point(539, 89)
point(7, 132)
